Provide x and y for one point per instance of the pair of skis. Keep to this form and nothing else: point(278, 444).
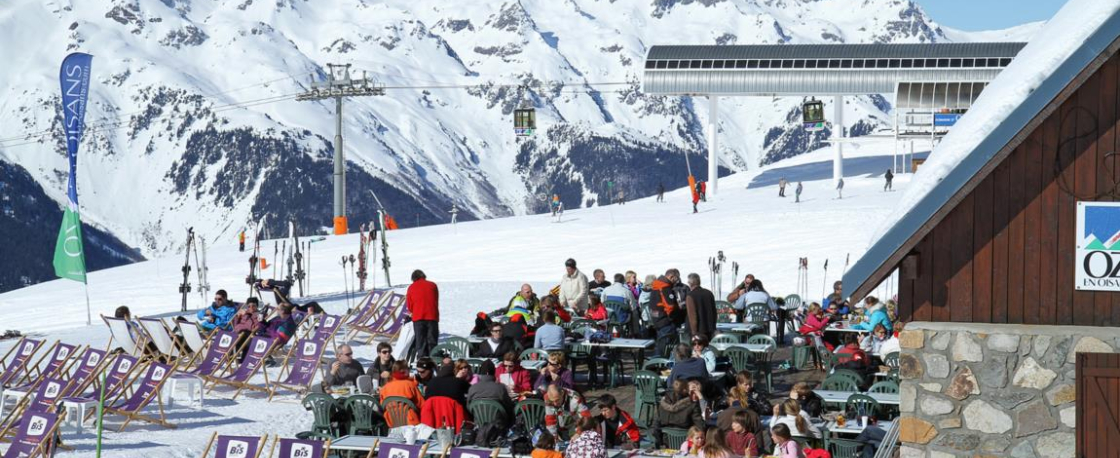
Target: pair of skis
point(199, 267)
point(715, 272)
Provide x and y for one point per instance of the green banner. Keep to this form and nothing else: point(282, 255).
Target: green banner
point(69, 257)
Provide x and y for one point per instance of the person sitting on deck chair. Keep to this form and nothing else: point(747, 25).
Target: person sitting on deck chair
point(218, 314)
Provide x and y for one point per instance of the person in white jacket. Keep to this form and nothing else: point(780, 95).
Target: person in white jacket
point(573, 288)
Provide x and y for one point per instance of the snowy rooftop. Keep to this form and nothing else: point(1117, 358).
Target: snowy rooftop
point(1062, 49)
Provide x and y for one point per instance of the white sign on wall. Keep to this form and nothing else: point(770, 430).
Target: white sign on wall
point(1097, 261)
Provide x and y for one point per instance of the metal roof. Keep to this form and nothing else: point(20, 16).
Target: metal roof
point(859, 276)
point(837, 51)
point(818, 69)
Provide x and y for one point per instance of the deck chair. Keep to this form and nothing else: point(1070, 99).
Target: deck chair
point(369, 308)
point(394, 450)
point(15, 361)
point(161, 336)
point(46, 395)
point(326, 330)
point(301, 369)
point(35, 436)
point(148, 390)
point(217, 352)
point(300, 448)
point(259, 349)
point(236, 446)
point(58, 363)
point(118, 375)
point(86, 368)
point(390, 311)
point(119, 333)
point(193, 337)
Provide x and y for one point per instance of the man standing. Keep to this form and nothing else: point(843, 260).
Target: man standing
point(797, 196)
point(422, 300)
point(660, 192)
point(241, 240)
point(619, 292)
point(573, 288)
point(701, 307)
point(890, 177)
point(665, 308)
point(782, 187)
point(840, 189)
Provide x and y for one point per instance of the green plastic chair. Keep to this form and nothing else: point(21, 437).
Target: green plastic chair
point(828, 358)
point(793, 302)
point(656, 364)
point(614, 309)
point(891, 360)
point(462, 344)
point(663, 346)
point(396, 410)
point(758, 313)
point(534, 354)
point(582, 323)
point(531, 411)
point(862, 403)
point(727, 338)
point(741, 358)
point(763, 339)
point(760, 362)
point(362, 408)
point(674, 437)
point(446, 350)
point(885, 386)
point(844, 384)
point(580, 353)
point(855, 377)
point(646, 385)
point(845, 448)
point(485, 411)
point(321, 405)
point(476, 364)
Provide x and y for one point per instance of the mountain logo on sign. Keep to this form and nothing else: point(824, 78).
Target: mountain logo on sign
point(1102, 228)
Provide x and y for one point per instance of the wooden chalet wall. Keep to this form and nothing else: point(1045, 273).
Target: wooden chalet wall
point(1005, 253)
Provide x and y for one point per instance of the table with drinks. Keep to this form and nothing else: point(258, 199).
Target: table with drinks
point(855, 426)
point(840, 397)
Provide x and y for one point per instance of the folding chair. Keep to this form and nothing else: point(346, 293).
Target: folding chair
point(392, 450)
point(120, 333)
point(369, 308)
point(388, 324)
point(300, 448)
point(161, 336)
point(46, 395)
point(218, 352)
point(301, 372)
point(259, 349)
point(327, 329)
point(117, 377)
point(148, 390)
point(236, 446)
point(193, 338)
point(58, 363)
point(20, 354)
point(35, 436)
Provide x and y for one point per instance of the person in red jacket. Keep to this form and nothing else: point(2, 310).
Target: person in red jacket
point(516, 379)
point(619, 428)
point(422, 301)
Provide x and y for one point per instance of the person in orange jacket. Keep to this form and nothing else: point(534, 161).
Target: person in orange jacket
point(406, 387)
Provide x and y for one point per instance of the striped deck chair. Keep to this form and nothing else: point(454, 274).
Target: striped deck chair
point(120, 333)
point(146, 391)
point(259, 349)
point(300, 367)
point(58, 363)
point(15, 362)
point(46, 395)
point(35, 436)
point(236, 446)
point(118, 375)
point(393, 325)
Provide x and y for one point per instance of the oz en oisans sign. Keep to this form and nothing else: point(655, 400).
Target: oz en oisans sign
point(1098, 246)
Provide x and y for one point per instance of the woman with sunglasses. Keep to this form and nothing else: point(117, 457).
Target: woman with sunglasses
point(515, 378)
point(382, 367)
point(554, 373)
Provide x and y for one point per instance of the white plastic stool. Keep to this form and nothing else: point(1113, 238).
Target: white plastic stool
point(192, 384)
point(76, 411)
point(16, 393)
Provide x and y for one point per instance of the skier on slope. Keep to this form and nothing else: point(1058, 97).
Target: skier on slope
point(555, 204)
point(797, 193)
point(660, 192)
point(703, 190)
point(695, 197)
point(782, 187)
point(840, 189)
point(241, 241)
point(890, 177)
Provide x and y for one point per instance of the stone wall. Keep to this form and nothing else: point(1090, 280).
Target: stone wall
point(980, 390)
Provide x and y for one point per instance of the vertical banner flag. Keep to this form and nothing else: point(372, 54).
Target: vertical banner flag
point(69, 258)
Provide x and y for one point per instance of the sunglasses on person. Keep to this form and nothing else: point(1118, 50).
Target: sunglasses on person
point(385, 352)
point(496, 331)
point(347, 354)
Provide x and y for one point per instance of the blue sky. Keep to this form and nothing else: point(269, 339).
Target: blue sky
point(975, 15)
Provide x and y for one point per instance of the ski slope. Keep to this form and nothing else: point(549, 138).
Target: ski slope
point(479, 265)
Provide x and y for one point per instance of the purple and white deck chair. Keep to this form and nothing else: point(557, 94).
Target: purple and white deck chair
point(35, 436)
point(46, 395)
point(146, 391)
point(235, 446)
point(301, 364)
point(14, 364)
point(117, 376)
point(58, 363)
point(392, 327)
point(301, 448)
point(256, 353)
point(217, 355)
point(472, 452)
point(86, 368)
point(368, 310)
point(395, 450)
point(327, 328)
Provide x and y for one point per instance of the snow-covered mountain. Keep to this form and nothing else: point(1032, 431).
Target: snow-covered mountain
point(192, 123)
